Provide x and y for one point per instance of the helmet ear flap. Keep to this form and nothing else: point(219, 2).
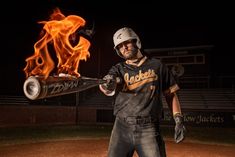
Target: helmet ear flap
point(118, 52)
point(137, 43)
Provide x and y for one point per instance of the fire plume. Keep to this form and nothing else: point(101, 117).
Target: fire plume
point(58, 32)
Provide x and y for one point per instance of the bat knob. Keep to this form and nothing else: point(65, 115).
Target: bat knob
point(32, 88)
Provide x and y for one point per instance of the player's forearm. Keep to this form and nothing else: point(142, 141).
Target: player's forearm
point(175, 105)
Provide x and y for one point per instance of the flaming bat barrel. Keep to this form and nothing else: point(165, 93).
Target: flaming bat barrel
point(39, 88)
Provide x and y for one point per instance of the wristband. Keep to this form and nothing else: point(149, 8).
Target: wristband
point(177, 114)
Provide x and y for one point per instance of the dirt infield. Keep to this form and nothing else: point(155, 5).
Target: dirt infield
point(98, 148)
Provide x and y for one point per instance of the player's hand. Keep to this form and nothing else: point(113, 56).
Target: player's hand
point(111, 84)
point(179, 128)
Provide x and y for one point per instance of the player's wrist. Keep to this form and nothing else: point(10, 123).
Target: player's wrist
point(178, 117)
point(106, 91)
point(175, 114)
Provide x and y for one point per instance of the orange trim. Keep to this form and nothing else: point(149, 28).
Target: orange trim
point(140, 83)
point(172, 89)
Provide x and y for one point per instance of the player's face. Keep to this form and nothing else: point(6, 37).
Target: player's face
point(128, 49)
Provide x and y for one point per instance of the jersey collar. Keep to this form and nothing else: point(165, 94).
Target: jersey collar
point(137, 63)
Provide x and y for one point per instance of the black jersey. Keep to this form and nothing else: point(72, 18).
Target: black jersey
point(141, 88)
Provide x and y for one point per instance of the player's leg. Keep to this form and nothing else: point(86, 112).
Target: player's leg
point(120, 144)
point(149, 142)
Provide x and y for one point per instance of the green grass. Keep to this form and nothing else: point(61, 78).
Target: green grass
point(10, 136)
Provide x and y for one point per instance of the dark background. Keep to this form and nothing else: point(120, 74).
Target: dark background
point(159, 25)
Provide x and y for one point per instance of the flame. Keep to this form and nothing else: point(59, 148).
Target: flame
point(58, 32)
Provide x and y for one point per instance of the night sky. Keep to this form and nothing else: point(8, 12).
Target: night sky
point(158, 25)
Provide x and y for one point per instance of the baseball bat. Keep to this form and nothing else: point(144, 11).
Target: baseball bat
point(36, 87)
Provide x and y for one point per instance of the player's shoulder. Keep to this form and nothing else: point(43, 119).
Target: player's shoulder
point(154, 60)
point(118, 66)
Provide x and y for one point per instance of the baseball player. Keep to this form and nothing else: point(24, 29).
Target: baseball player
point(138, 84)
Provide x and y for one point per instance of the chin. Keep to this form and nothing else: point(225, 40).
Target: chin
point(130, 56)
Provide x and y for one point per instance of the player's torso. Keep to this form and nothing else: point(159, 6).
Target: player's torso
point(140, 92)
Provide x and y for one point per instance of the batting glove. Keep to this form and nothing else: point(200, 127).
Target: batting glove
point(109, 87)
point(179, 128)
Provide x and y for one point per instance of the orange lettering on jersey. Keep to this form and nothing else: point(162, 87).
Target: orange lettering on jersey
point(140, 79)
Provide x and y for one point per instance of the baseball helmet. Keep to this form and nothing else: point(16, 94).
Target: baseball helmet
point(125, 34)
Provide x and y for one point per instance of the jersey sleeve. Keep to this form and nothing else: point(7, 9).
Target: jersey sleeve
point(115, 71)
point(169, 84)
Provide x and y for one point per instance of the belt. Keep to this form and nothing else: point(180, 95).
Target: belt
point(139, 120)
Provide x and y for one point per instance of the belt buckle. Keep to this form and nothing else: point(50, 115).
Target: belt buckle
point(139, 121)
point(146, 120)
